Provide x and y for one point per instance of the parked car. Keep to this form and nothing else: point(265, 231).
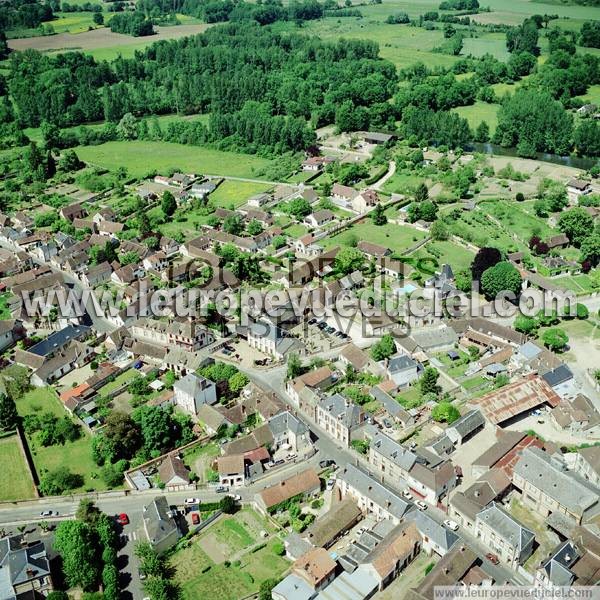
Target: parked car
point(221, 489)
point(407, 495)
point(492, 558)
point(327, 462)
point(330, 329)
point(49, 513)
point(123, 519)
point(189, 501)
point(312, 321)
point(141, 574)
point(387, 423)
point(195, 518)
point(236, 497)
point(330, 484)
point(450, 524)
point(422, 505)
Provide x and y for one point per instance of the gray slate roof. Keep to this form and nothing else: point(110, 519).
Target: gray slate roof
point(506, 526)
point(286, 421)
point(378, 493)
point(393, 451)
point(468, 423)
point(430, 528)
point(345, 411)
point(547, 474)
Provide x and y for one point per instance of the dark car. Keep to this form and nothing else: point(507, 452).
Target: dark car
point(327, 462)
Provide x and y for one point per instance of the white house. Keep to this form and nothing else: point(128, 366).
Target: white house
point(193, 391)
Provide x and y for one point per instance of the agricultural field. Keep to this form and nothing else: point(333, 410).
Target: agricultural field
point(223, 562)
point(490, 43)
point(107, 44)
point(398, 238)
point(15, 481)
point(76, 456)
point(140, 158)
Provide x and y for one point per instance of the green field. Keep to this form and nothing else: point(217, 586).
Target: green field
point(15, 480)
point(396, 237)
point(400, 44)
point(478, 112)
point(235, 193)
point(76, 456)
point(492, 43)
point(141, 158)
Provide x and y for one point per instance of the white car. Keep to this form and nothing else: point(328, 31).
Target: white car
point(189, 501)
point(330, 484)
point(49, 513)
point(407, 495)
point(452, 525)
point(236, 497)
point(422, 505)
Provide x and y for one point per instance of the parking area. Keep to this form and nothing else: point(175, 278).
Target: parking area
point(320, 336)
point(240, 353)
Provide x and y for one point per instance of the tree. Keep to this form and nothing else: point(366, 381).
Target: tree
point(445, 412)
point(237, 382)
point(523, 38)
point(484, 259)
point(590, 249)
point(463, 280)
point(233, 224)
point(75, 543)
point(555, 196)
point(56, 595)
point(228, 505)
point(384, 348)
point(421, 193)
point(151, 563)
point(429, 381)
point(349, 260)
point(98, 18)
point(378, 215)
point(144, 226)
point(556, 339)
point(533, 121)
point(582, 311)
point(526, 325)
point(482, 133)
point(439, 230)
point(299, 208)
point(127, 129)
point(168, 204)
point(59, 481)
point(254, 228)
point(156, 427)
point(69, 161)
point(8, 414)
point(499, 278)
point(279, 241)
point(294, 366)
point(576, 224)
point(266, 587)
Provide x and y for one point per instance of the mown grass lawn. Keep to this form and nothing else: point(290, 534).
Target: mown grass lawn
point(121, 379)
point(75, 456)
point(15, 480)
point(396, 237)
point(141, 158)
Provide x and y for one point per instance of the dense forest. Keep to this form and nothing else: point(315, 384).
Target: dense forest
point(266, 91)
